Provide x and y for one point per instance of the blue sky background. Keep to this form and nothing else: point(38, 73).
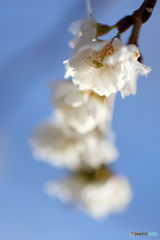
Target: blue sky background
point(33, 44)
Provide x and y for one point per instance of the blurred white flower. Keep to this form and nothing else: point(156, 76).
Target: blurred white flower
point(84, 30)
point(106, 67)
point(98, 198)
point(63, 147)
point(81, 110)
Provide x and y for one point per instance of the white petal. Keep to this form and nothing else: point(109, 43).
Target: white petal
point(75, 27)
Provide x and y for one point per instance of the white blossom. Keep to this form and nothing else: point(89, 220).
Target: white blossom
point(84, 30)
point(81, 110)
point(63, 147)
point(106, 67)
point(98, 198)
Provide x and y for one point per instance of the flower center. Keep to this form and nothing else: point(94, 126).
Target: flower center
point(96, 60)
point(136, 55)
point(108, 50)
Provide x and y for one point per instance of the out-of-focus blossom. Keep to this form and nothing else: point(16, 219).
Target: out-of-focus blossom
point(106, 67)
point(99, 198)
point(81, 110)
point(84, 30)
point(63, 147)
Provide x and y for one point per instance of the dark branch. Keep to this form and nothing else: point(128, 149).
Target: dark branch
point(141, 15)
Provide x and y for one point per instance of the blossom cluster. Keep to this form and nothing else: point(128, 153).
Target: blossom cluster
point(78, 136)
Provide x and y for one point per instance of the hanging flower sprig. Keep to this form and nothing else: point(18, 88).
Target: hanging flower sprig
point(78, 136)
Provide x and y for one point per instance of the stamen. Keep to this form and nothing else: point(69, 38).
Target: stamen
point(108, 50)
point(136, 54)
point(96, 60)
